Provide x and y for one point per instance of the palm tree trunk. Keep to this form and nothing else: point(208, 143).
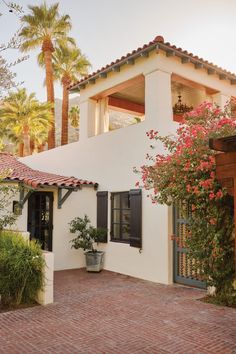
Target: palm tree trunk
point(41, 147)
point(26, 139)
point(21, 149)
point(47, 48)
point(32, 146)
point(65, 107)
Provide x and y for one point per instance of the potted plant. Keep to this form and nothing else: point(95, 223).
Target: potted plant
point(87, 236)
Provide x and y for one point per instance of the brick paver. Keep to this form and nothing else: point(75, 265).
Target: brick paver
point(113, 313)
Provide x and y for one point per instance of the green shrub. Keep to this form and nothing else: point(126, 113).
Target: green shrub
point(21, 269)
point(87, 234)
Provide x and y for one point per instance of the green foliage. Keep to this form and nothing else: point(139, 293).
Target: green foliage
point(87, 234)
point(74, 115)
point(23, 117)
point(211, 245)
point(7, 218)
point(69, 64)
point(21, 269)
point(44, 24)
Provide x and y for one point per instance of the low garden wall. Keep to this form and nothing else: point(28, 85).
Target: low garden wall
point(45, 296)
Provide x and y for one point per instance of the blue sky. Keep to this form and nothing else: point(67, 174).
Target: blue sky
point(107, 29)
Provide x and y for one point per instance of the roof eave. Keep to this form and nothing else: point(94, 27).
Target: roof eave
point(170, 51)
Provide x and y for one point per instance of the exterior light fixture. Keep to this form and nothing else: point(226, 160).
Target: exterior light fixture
point(180, 107)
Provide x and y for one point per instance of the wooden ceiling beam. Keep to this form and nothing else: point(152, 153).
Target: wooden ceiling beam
point(126, 106)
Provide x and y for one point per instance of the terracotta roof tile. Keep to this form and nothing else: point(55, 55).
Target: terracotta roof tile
point(158, 40)
point(34, 178)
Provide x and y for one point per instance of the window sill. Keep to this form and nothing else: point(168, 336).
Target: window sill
point(120, 241)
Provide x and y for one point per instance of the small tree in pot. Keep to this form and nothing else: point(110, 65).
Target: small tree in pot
point(87, 236)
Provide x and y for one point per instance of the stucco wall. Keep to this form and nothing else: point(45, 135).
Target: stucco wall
point(109, 160)
point(80, 203)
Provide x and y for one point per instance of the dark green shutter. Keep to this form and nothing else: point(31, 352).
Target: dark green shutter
point(135, 217)
point(102, 210)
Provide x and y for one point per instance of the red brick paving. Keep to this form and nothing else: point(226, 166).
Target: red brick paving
point(113, 313)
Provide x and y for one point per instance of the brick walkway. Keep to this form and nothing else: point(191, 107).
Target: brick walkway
point(112, 313)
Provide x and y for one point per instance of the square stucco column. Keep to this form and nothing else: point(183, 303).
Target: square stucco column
point(158, 101)
point(88, 116)
point(158, 116)
point(220, 99)
point(45, 296)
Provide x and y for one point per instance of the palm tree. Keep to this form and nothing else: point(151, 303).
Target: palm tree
point(43, 28)
point(69, 65)
point(26, 119)
point(74, 116)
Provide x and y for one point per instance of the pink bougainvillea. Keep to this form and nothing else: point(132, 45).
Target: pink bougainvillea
point(187, 169)
point(185, 172)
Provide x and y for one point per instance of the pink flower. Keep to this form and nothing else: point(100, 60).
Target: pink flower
point(212, 174)
point(188, 188)
point(206, 183)
point(211, 196)
point(219, 194)
point(212, 221)
point(152, 134)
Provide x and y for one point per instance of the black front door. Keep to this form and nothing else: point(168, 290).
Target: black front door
point(40, 211)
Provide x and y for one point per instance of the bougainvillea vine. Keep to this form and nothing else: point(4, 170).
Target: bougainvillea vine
point(185, 173)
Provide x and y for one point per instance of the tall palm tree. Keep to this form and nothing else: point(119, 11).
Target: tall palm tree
point(24, 117)
point(69, 65)
point(42, 28)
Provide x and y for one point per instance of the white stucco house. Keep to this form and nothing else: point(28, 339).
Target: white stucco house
point(145, 84)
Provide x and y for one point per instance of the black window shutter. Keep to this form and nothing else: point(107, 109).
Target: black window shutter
point(135, 217)
point(102, 210)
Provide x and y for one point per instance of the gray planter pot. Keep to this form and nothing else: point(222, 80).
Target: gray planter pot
point(94, 261)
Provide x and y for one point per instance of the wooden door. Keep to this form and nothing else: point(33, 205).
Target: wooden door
point(40, 218)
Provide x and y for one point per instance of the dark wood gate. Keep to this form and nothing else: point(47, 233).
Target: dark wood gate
point(40, 212)
point(226, 168)
point(184, 272)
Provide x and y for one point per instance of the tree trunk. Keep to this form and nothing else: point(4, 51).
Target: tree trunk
point(32, 146)
point(65, 107)
point(41, 147)
point(21, 149)
point(26, 140)
point(47, 48)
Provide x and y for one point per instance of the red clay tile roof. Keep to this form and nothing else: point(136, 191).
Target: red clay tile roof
point(21, 173)
point(157, 43)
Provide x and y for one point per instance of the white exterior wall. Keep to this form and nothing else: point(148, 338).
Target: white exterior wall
point(109, 160)
point(79, 203)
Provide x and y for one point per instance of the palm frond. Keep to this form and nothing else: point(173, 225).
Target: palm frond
point(43, 22)
point(69, 62)
point(20, 109)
